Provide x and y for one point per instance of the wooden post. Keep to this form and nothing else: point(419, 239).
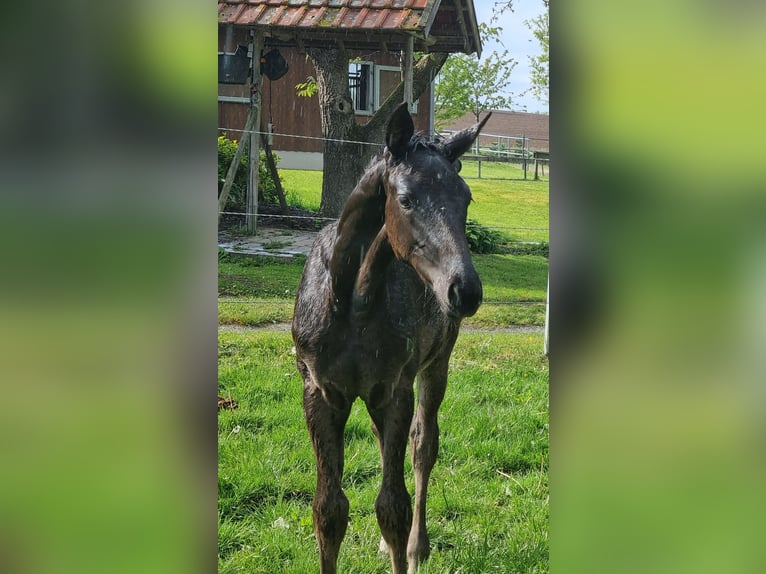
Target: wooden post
point(524, 154)
point(229, 42)
point(408, 56)
point(234, 165)
point(255, 138)
point(272, 165)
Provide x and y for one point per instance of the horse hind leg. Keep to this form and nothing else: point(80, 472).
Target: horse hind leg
point(330, 507)
point(424, 438)
point(392, 505)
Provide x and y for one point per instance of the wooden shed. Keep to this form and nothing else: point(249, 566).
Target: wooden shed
point(374, 32)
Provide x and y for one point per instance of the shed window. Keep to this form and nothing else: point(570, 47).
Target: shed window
point(371, 84)
point(360, 83)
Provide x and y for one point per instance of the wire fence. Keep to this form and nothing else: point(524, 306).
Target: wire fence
point(290, 302)
point(320, 221)
point(522, 150)
point(505, 150)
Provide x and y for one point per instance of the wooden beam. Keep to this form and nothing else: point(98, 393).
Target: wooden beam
point(229, 42)
point(234, 165)
point(272, 164)
point(463, 29)
point(407, 71)
point(255, 138)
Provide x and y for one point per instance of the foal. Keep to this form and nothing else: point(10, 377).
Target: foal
point(381, 299)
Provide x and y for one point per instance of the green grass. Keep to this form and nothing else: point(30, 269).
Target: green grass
point(261, 291)
point(488, 499)
point(304, 185)
point(501, 170)
point(258, 291)
point(511, 204)
point(507, 202)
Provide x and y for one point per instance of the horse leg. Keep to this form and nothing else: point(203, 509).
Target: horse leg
point(326, 425)
point(424, 437)
point(392, 506)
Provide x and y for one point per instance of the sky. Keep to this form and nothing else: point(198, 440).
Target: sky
point(520, 43)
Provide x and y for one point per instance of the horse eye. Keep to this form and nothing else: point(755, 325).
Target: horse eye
point(405, 201)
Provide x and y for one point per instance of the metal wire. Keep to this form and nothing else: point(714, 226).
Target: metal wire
point(290, 302)
point(336, 219)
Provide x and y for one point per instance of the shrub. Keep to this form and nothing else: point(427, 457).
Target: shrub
point(267, 190)
point(482, 239)
point(542, 249)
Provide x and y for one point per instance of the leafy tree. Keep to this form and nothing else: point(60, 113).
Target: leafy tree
point(466, 84)
point(539, 63)
point(345, 152)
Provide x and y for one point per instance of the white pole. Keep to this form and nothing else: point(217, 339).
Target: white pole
point(547, 316)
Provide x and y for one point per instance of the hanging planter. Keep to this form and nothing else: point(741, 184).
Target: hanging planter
point(233, 68)
point(273, 65)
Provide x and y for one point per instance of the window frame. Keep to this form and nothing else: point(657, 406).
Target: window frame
point(370, 89)
point(377, 70)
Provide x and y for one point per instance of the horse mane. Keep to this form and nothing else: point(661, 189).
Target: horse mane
point(418, 140)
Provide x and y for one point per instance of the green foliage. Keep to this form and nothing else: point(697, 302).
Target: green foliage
point(308, 88)
point(466, 84)
point(539, 64)
point(482, 239)
point(267, 190)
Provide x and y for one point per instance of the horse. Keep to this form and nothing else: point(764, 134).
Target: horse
point(382, 295)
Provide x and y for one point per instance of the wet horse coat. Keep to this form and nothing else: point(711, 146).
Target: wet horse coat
point(380, 302)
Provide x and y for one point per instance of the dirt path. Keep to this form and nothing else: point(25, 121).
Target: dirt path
point(285, 327)
point(274, 241)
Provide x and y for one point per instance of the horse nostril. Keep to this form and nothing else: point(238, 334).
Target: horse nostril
point(454, 294)
point(464, 297)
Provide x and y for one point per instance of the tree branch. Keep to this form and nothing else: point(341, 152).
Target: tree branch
point(423, 73)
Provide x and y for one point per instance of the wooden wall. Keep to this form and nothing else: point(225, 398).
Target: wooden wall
point(290, 113)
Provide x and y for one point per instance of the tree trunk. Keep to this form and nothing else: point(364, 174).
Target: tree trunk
point(345, 162)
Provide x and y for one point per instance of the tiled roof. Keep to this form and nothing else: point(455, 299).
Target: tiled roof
point(360, 23)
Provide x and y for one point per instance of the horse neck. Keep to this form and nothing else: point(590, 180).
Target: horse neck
point(360, 222)
point(370, 280)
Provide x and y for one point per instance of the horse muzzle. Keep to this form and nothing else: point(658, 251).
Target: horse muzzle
point(464, 296)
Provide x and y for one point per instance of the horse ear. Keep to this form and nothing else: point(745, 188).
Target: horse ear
point(399, 131)
point(461, 142)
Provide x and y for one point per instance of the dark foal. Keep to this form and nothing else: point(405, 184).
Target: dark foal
point(381, 300)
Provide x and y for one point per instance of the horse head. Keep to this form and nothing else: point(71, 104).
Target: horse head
point(426, 209)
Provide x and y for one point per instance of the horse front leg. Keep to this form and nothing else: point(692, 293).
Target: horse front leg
point(392, 505)
point(330, 507)
point(424, 439)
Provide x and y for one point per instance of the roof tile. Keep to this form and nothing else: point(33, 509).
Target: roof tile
point(390, 19)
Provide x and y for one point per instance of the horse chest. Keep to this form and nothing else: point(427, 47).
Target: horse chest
point(363, 364)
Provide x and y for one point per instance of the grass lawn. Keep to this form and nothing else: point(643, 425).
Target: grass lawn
point(510, 202)
point(261, 290)
point(304, 185)
point(488, 498)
